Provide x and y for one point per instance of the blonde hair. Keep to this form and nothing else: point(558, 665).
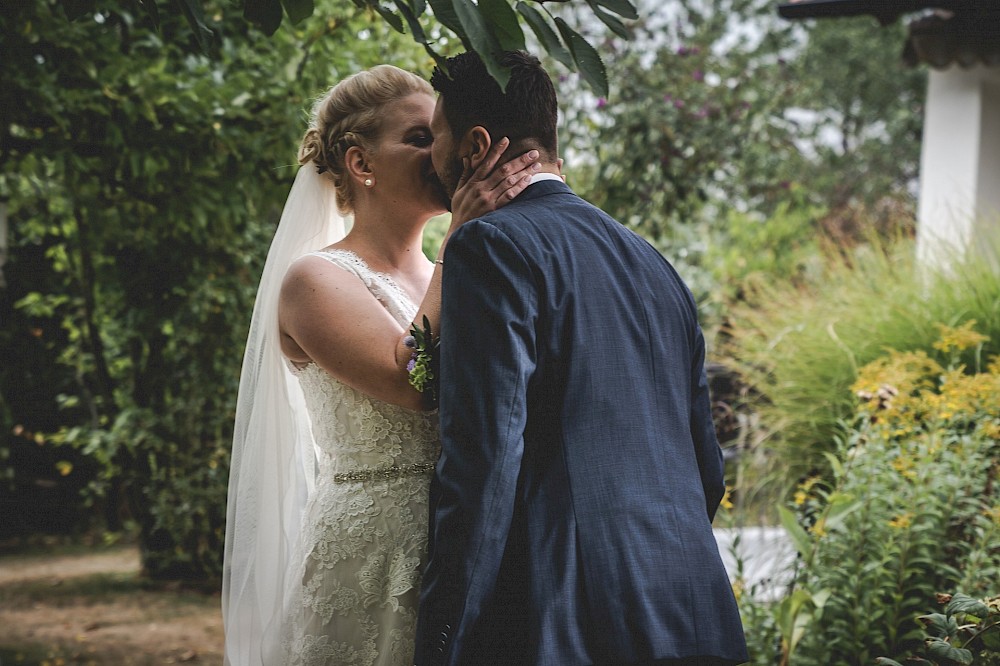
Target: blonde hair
point(350, 114)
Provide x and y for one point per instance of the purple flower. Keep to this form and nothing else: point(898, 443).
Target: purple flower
point(698, 75)
point(678, 104)
point(701, 113)
point(412, 364)
point(410, 342)
point(601, 102)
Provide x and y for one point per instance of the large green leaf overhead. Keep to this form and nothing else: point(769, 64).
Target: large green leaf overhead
point(488, 27)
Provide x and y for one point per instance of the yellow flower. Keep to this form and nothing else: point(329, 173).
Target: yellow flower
point(993, 366)
point(902, 521)
point(993, 513)
point(738, 585)
point(800, 497)
point(819, 528)
point(727, 502)
point(990, 429)
point(959, 339)
point(898, 374)
point(905, 466)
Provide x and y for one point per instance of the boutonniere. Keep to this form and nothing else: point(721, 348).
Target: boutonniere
point(423, 365)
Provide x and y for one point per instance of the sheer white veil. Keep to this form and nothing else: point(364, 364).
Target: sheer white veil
point(273, 456)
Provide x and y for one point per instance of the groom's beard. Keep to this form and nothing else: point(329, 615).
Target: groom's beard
point(450, 175)
point(440, 194)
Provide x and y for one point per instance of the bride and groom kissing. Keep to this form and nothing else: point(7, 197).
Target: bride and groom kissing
point(556, 506)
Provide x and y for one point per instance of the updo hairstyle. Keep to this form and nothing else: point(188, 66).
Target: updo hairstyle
point(350, 114)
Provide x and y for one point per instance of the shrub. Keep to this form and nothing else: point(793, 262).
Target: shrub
point(801, 346)
point(967, 632)
point(911, 507)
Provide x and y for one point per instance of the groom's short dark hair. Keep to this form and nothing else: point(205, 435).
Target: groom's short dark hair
point(526, 112)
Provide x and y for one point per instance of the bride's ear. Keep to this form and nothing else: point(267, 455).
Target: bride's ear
point(479, 142)
point(358, 167)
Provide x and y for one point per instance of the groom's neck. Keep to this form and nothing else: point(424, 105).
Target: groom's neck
point(548, 160)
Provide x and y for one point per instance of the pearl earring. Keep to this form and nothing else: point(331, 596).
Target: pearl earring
point(369, 182)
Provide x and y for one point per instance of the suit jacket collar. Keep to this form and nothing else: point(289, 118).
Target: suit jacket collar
point(543, 188)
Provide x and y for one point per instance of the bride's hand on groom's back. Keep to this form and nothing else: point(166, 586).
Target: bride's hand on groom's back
point(488, 186)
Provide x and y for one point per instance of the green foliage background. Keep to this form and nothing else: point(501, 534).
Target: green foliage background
point(143, 176)
point(144, 182)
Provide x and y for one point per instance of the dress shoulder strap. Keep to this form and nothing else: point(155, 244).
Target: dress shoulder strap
point(381, 285)
point(347, 260)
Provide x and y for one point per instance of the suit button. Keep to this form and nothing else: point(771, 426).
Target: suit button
point(448, 627)
point(444, 634)
point(440, 650)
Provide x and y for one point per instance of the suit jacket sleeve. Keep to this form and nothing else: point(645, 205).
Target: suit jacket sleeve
point(710, 461)
point(487, 359)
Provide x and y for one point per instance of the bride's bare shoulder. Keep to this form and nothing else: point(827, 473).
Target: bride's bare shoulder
point(319, 269)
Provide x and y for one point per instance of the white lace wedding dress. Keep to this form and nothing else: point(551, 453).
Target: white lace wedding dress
point(364, 536)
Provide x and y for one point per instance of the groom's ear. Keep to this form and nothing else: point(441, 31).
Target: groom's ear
point(478, 142)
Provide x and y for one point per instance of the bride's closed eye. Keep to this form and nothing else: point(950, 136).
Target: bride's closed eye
point(422, 139)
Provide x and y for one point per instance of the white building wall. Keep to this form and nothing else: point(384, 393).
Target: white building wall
point(959, 202)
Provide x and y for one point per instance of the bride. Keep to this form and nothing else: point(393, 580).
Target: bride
point(333, 448)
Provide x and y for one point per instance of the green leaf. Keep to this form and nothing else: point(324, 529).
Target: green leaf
point(195, 16)
point(390, 17)
point(623, 8)
point(265, 14)
point(793, 615)
point(839, 507)
point(506, 27)
point(835, 465)
point(473, 26)
point(885, 661)
point(444, 11)
point(416, 30)
point(481, 39)
point(298, 9)
point(439, 60)
point(799, 537)
point(939, 625)
point(588, 62)
point(963, 603)
point(545, 34)
point(940, 649)
point(609, 20)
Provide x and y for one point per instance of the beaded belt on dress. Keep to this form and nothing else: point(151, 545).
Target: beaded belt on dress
point(387, 472)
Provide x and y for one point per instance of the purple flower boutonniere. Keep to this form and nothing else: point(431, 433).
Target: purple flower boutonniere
point(423, 364)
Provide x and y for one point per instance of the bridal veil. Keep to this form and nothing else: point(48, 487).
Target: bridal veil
point(273, 456)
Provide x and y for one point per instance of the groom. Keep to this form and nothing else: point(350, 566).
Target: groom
point(571, 509)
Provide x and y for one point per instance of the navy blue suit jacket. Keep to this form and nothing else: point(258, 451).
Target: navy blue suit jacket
point(571, 508)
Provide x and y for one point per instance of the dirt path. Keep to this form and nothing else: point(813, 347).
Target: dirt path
point(92, 608)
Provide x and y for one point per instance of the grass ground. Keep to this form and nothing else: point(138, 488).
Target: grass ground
point(89, 606)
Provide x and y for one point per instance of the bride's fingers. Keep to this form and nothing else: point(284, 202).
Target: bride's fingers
point(466, 173)
point(517, 184)
point(509, 175)
point(485, 168)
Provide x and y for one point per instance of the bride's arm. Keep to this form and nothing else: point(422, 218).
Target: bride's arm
point(479, 191)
